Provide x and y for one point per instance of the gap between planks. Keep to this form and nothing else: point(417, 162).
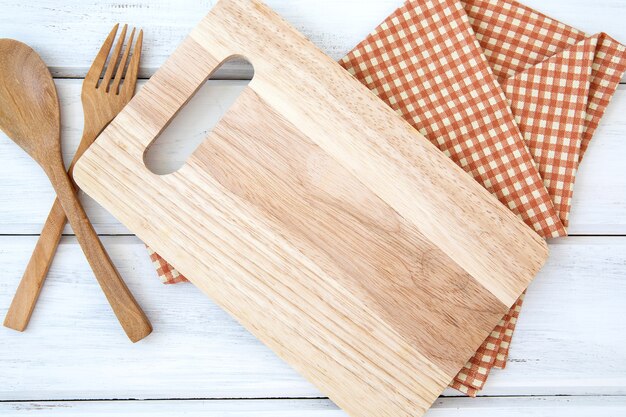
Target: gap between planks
point(599, 406)
point(443, 397)
point(220, 75)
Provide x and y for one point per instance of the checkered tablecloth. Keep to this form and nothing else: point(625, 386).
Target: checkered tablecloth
point(512, 96)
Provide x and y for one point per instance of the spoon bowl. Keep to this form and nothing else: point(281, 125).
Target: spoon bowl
point(30, 113)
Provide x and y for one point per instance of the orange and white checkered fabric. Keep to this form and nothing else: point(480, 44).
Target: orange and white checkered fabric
point(166, 272)
point(425, 63)
point(543, 67)
point(550, 105)
point(557, 80)
point(474, 374)
point(512, 96)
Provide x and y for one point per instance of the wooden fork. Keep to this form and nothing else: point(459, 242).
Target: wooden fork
point(103, 98)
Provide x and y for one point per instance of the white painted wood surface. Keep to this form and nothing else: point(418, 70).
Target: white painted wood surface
point(68, 33)
point(599, 205)
point(570, 340)
point(571, 336)
point(445, 407)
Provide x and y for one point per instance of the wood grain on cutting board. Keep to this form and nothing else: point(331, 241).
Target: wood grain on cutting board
point(319, 219)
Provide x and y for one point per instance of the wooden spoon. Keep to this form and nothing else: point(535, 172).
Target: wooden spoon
point(30, 116)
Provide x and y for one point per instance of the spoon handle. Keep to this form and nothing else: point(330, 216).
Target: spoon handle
point(128, 312)
point(27, 292)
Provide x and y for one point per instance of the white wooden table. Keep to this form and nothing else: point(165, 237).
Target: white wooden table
point(568, 356)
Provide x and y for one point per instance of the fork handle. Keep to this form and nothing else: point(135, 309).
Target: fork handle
point(25, 297)
point(27, 292)
point(128, 312)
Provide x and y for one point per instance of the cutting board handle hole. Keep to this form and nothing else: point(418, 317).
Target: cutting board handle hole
point(193, 123)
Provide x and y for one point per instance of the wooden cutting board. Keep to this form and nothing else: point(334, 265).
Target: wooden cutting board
point(323, 222)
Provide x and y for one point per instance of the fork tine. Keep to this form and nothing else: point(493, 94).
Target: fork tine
point(93, 75)
point(122, 66)
point(114, 58)
point(130, 79)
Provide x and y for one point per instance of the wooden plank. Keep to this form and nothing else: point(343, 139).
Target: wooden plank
point(567, 343)
point(599, 205)
point(24, 213)
point(336, 26)
point(444, 407)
